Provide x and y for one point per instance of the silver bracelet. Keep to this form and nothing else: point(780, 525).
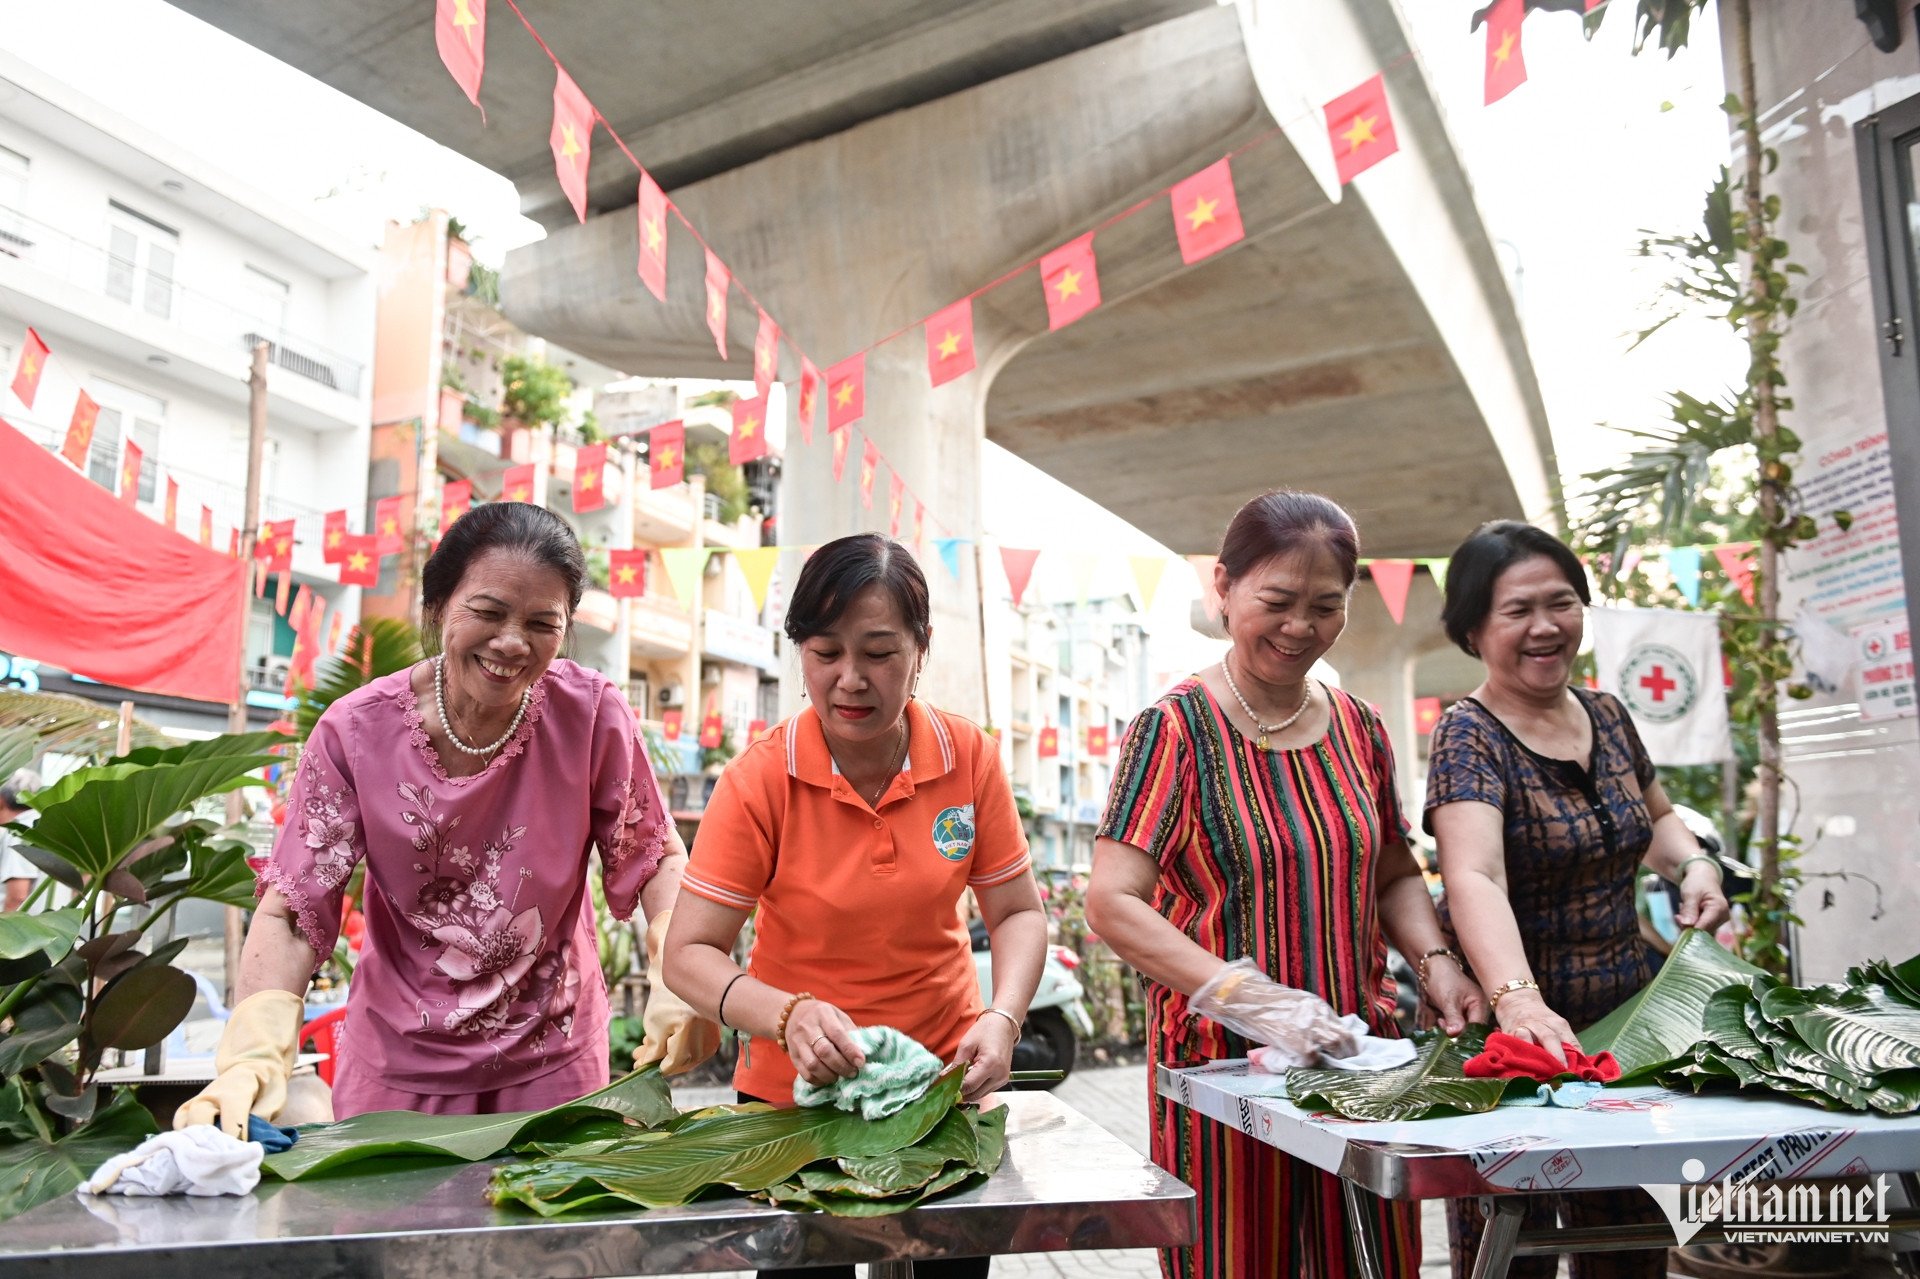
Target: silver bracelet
point(1680, 871)
point(1015, 1021)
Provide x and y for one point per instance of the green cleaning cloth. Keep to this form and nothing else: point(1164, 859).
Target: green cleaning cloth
point(897, 1072)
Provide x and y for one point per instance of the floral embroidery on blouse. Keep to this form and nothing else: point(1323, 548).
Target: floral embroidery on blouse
point(624, 841)
point(417, 730)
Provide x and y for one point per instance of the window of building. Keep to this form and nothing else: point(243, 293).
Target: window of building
point(141, 253)
point(124, 413)
point(267, 297)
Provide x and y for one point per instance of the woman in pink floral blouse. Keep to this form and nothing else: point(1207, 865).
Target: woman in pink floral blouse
point(474, 785)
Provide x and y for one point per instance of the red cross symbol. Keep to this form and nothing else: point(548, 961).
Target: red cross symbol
point(1657, 683)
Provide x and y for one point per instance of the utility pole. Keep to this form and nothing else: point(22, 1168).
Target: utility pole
point(249, 533)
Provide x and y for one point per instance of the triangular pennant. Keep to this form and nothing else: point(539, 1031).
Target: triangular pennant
point(684, 565)
point(1738, 568)
point(1146, 576)
point(756, 565)
point(949, 548)
point(1437, 570)
point(1393, 578)
point(1684, 563)
point(1018, 563)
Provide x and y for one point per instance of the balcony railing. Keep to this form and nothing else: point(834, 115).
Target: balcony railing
point(92, 267)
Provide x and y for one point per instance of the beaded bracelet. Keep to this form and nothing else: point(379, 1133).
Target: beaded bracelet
point(1518, 983)
point(1421, 971)
point(780, 1031)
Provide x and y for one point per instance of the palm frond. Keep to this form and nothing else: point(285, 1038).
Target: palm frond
point(1661, 479)
point(60, 722)
point(376, 646)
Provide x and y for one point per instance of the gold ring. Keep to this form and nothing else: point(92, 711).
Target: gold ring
point(818, 1038)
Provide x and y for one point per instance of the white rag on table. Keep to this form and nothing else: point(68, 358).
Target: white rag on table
point(1374, 1052)
point(201, 1160)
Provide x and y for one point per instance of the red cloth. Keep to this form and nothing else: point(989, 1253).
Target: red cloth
point(93, 585)
point(1508, 1057)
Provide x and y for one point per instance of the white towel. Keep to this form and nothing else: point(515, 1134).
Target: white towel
point(1374, 1052)
point(201, 1160)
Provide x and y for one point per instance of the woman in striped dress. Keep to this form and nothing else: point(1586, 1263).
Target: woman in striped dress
point(1254, 815)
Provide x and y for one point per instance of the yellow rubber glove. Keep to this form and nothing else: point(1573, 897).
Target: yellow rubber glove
point(251, 1068)
point(676, 1036)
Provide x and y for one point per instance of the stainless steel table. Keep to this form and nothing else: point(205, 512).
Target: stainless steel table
point(1065, 1184)
point(1626, 1137)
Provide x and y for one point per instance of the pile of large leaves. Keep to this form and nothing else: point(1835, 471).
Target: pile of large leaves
point(825, 1160)
point(1433, 1083)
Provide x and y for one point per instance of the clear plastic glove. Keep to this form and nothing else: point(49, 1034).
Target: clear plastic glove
point(252, 1065)
point(676, 1036)
point(1253, 1005)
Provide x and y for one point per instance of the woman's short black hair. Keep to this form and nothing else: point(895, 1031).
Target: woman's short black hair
point(840, 570)
point(1478, 562)
point(531, 530)
point(1282, 521)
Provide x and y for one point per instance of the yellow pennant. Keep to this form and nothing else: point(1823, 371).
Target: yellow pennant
point(684, 565)
point(1146, 576)
point(756, 565)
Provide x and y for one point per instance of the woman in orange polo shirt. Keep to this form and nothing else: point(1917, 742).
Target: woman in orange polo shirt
point(856, 828)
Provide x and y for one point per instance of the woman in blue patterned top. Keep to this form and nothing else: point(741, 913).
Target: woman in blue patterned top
point(1544, 806)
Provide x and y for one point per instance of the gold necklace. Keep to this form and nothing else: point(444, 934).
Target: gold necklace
point(1306, 698)
point(899, 756)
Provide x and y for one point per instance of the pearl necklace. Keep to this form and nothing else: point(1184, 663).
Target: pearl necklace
point(440, 704)
point(1306, 699)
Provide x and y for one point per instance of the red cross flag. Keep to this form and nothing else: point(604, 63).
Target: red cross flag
point(1664, 665)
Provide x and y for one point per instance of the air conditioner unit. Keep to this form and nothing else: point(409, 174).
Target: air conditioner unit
point(710, 674)
point(673, 695)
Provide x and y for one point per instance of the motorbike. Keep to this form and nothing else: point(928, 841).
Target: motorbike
point(1056, 1019)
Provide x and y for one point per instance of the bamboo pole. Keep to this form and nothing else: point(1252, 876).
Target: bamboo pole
point(237, 710)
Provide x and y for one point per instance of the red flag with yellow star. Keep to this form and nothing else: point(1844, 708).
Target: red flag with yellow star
point(460, 33)
point(950, 342)
point(896, 503)
point(756, 729)
point(173, 503)
point(847, 392)
point(749, 438)
point(283, 593)
point(589, 477)
point(274, 548)
point(1506, 70)
point(1071, 281)
point(627, 573)
point(653, 237)
point(1360, 128)
point(130, 474)
point(713, 729)
point(869, 467)
point(667, 453)
point(456, 499)
point(766, 354)
point(516, 483)
point(670, 722)
point(389, 525)
point(717, 282)
point(1049, 747)
point(33, 362)
point(359, 560)
point(571, 140)
point(809, 398)
point(1206, 212)
point(1097, 741)
point(80, 431)
point(333, 532)
point(206, 527)
point(840, 441)
point(1426, 714)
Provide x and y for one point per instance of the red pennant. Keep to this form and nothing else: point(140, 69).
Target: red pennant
point(1049, 747)
point(712, 729)
point(1071, 281)
point(516, 483)
point(749, 438)
point(332, 532)
point(1206, 213)
point(359, 560)
point(847, 392)
point(809, 398)
point(456, 499)
point(667, 453)
point(1018, 564)
point(33, 362)
point(766, 354)
point(206, 527)
point(869, 465)
point(895, 499)
point(1506, 70)
point(840, 441)
point(950, 342)
point(571, 140)
point(589, 477)
point(756, 729)
point(1360, 128)
point(173, 503)
point(1394, 578)
point(670, 725)
point(1738, 568)
point(130, 474)
point(297, 617)
point(390, 525)
point(627, 573)
point(460, 33)
point(653, 237)
point(717, 282)
point(1097, 741)
point(1426, 713)
point(80, 431)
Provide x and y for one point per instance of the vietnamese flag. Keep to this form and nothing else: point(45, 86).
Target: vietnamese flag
point(1018, 564)
point(206, 527)
point(456, 499)
point(712, 729)
point(589, 477)
point(1072, 283)
point(359, 560)
point(1360, 127)
point(749, 438)
point(717, 283)
point(627, 573)
point(460, 33)
point(670, 725)
point(389, 522)
point(847, 392)
point(275, 546)
point(950, 342)
point(1426, 713)
point(333, 531)
point(1049, 746)
point(667, 453)
point(1097, 741)
point(130, 474)
point(1506, 70)
point(1206, 213)
point(766, 354)
point(653, 236)
point(516, 483)
point(281, 595)
point(869, 462)
point(173, 503)
point(571, 139)
point(756, 729)
point(809, 398)
point(33, 362)
point(895, 500)
point(840, 441)
point(80, 431)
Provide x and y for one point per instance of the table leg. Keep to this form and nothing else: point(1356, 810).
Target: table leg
point(1363, 1230)
point(901, 1269)
point(1908, 1263)
point(1504, 1214)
